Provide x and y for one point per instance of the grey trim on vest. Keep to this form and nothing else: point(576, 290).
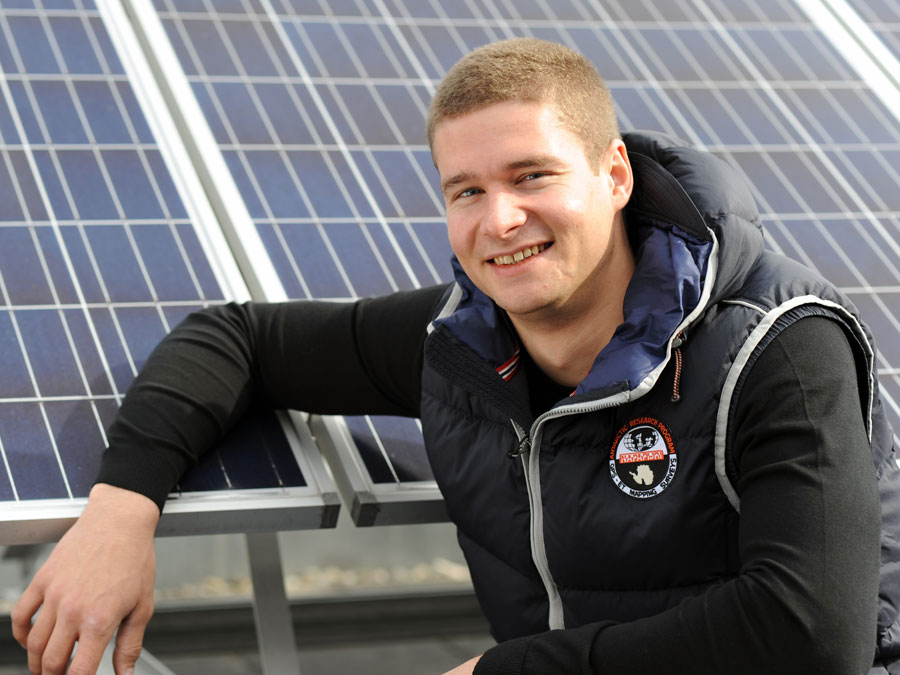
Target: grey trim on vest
point(531, 466)
point(743, 357)
point(449, 306)
point(746, 303)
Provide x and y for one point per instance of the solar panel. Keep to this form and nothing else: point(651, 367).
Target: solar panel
point(318, 189)
point(316, 109)
point(100, 255)
point(305, 123)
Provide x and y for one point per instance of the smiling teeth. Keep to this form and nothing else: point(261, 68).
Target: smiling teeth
point(519, 256)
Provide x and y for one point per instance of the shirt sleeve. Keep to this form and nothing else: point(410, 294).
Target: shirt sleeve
point(805, 599)
point(348, 358)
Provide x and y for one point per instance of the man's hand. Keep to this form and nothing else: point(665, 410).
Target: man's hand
point(98, 578)
point(465, 669)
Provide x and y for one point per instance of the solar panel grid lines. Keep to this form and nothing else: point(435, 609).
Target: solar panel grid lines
point(14, 319)
point(206, 172)
point(257, 190)
point(874, 54)
point(883, 17)
point(367, 423)
point(194, 205)
point(887, 240)
point(344, 149)
point(755, 146)
point(196, 68)
point(864, 211)
point(366, 433)
point(233, 139)
point(755, 82)
point(844, 206)
point(338, 98)
point(423, 77)
point(85, 290)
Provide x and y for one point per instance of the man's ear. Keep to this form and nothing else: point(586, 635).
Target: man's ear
point(619, 170)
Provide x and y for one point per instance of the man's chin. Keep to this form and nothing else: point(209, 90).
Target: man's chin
point(530, 307)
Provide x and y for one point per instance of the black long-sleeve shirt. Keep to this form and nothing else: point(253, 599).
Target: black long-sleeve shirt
point(809, 523)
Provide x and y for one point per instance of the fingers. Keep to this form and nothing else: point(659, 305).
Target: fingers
point(91, 646)
point(100, 573)
point(48, 644)
point(22, 612)
point(53, 636)
point(54, 657)
point(38, 637)
point(128, 643)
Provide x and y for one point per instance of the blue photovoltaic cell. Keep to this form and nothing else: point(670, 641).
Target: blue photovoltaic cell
point(31, 456)
point(402, 441)
point(98, 260)
point(231, 466)
point(77, 429)
point(48, 349)
point(132, 185)
point(75, 45)
point(761, 88)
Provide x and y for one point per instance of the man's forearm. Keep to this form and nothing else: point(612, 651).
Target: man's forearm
point(345, 358)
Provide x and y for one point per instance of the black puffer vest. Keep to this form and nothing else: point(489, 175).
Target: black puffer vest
point(538, 502)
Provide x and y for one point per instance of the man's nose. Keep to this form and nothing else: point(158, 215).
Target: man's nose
point(503, 215)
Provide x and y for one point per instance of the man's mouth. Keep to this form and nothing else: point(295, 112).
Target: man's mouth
point(519, 256)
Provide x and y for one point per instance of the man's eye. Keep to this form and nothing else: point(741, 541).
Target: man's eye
point(470, 192)
point(532, 176)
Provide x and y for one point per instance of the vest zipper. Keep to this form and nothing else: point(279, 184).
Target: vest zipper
point(679, 360)
point(529, 453)
point(528, 450)
point(676, 383)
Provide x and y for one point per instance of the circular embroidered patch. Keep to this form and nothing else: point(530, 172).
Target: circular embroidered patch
point(642, 460)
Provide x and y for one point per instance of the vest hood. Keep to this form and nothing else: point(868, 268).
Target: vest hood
point(703, 186)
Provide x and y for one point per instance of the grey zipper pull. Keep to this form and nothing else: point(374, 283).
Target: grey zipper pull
point(522, 448)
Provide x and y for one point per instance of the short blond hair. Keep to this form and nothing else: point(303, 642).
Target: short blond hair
point(530, 70)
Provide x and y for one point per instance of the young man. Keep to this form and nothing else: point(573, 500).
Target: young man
point(663, 447)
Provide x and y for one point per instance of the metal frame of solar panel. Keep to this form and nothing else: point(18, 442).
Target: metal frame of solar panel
point(317, 110)
point(105, 243)
point(882, 17)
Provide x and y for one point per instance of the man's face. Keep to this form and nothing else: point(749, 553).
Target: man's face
point(529, 219)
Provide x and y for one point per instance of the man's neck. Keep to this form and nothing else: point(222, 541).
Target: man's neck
point(566, 352)
point(565, 347)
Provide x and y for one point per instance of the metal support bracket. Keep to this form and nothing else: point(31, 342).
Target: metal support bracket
point(274, 627)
